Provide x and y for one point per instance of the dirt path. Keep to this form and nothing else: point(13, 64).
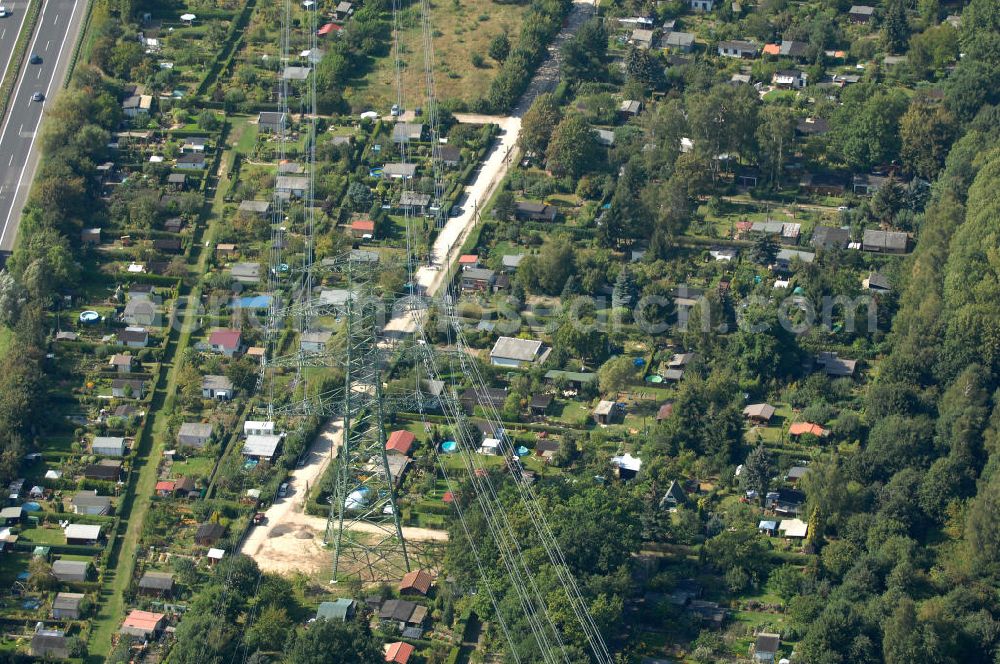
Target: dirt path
point(291, 540)
point(448, 243)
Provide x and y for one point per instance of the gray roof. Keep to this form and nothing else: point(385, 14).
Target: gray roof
point(67, 601)
point(796, 472)
point(399, 170)
point(478, 274)
point(270, 117)
point(70, 568)
point(793, 49)
point(449, 153)
point(130, 334)
point(196, 430)
point(792, 254)
point(407, 131)
point(214, 382)
point(767, 643)
point(862, 9)
point(415, 199)
point(397, 609)
point(364, 256)
point(245, 270)
point(339, 609)
point(157, 580)
point(763, 411)
point(89, 498)
point(680, 39)
point(261, 445)
point(295, 73)
point(291, 183)
point(522, 350)
point(108, 442)
point(826, 237)
point(604, 408)
point(738, 44)
point(334, 296)
point(512, 260)
point(836, 366)
point(316, 336)
point(885, 239)
point(191, 159)
point(878, 280)
point(259, 207)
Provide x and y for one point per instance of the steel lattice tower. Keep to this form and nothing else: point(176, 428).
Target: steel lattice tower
point(363, 525)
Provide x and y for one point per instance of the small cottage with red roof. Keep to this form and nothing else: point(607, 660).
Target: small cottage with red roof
point(226, 341)
point(398, 652)
point(361, 228)
point(417, 581)
point(165, 488)
point(400, 442)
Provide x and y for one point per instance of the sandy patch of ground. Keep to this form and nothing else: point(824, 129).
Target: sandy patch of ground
point(290, 540)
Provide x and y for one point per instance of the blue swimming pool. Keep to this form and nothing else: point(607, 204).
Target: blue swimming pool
point(449, 446)
point(32, 507)
point(89, 316)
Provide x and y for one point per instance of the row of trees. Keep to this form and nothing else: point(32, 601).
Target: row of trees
point(926, 471)
point(242, 612)
point(64, 196)
point(539, 25)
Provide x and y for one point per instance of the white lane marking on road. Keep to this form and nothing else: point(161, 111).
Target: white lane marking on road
point(11, 161)
point(47, 44)
point(39, 73)
point(34, 134)
point(56, 19)
point(3, 34)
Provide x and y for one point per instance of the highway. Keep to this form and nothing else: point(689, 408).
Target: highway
point(55, 37)
point(10, 27)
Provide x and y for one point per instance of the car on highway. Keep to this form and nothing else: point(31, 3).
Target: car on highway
point(4, 12)
point(35, 59)
point(38, 96)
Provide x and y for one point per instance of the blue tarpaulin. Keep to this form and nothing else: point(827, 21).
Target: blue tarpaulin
point(253, 302)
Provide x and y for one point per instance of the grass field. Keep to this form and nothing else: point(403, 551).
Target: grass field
point(461, 29)
point(6, 336)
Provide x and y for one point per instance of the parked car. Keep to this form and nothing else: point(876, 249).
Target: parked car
point(283, 490)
